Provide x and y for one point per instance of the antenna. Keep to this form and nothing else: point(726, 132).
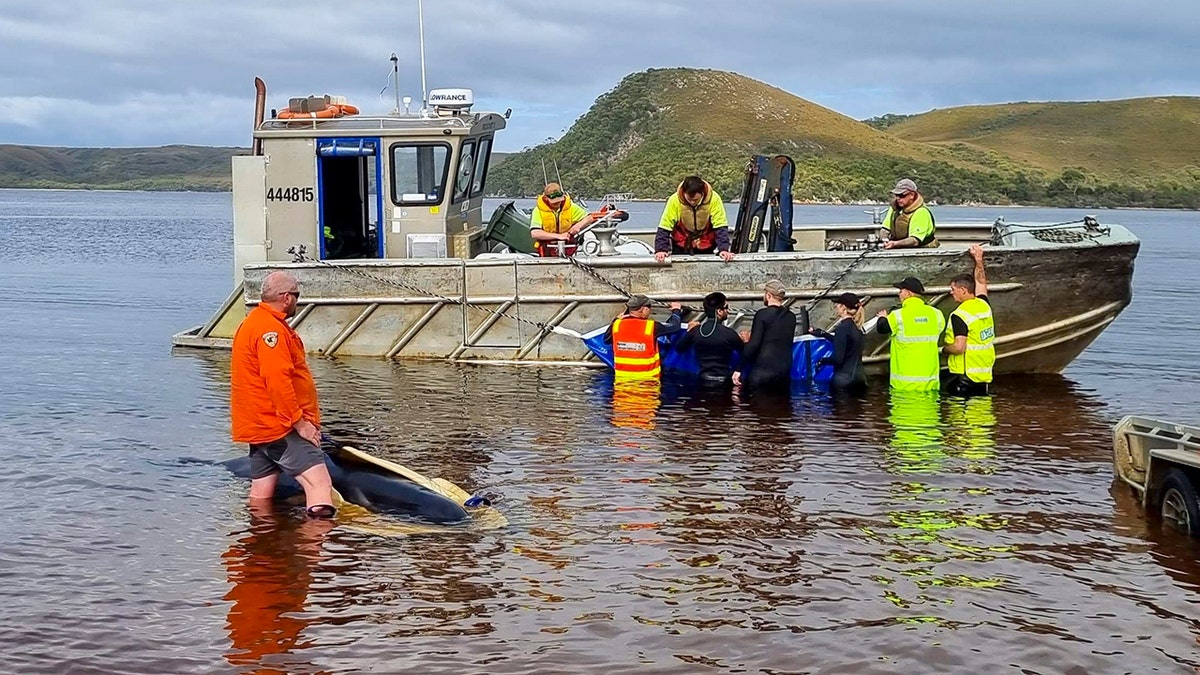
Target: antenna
point(558, 176)
point(545, 178)
point(421, 24)
point(396, 82)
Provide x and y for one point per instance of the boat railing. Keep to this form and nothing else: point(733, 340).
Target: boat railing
point(369, 123)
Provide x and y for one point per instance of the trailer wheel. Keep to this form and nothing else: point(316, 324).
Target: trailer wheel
point(1179, 506)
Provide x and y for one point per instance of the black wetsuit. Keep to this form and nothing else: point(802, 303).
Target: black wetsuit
point(768, 356)
point(714, 346)
point(847, 339)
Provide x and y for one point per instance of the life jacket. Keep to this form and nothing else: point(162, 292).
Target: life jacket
point(976, 363)
point(694, 231)
point(897, 222)
point(553, 220)
point(916, 329)
point(635, 349)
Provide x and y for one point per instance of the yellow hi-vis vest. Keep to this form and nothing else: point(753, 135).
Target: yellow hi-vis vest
point(976, 363)
point(916, 329)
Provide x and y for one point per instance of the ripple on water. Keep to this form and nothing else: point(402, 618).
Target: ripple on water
point(679, 534)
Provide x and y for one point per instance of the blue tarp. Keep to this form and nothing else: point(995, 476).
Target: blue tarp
point(807, 350)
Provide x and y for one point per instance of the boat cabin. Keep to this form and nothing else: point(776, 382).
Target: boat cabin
point(334, 186)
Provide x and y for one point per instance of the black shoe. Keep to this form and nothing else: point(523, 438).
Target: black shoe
point(325, 511)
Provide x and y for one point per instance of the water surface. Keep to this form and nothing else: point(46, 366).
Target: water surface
point(672, 533)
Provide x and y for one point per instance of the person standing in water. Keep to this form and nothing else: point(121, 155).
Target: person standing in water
point(768, 353)
point(713, 342)
point(273, 399)
point(847, 339)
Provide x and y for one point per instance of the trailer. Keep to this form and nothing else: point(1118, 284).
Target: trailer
point(1160, 461)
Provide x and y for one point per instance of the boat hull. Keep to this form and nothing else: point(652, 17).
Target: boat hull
point(1051, 298)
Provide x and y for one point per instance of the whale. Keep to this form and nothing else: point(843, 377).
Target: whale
point(380, 486)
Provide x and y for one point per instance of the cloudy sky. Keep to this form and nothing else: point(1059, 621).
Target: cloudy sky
point(140, 72)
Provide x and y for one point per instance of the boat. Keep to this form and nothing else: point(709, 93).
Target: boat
point(381, 219)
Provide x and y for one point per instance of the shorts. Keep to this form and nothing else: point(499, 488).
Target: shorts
point(290, 454)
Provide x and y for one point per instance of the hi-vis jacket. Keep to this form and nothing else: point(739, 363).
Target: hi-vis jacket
point(916, 329)
point(976, 363)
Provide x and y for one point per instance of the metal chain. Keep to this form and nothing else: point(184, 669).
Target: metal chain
point(302, 256)
point(837, 280)
point(591, 271)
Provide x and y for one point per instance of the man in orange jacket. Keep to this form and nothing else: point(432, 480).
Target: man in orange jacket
point(273, 399)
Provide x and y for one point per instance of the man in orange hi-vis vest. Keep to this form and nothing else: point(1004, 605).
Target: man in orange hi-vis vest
point(273, 400)
point(634, 337)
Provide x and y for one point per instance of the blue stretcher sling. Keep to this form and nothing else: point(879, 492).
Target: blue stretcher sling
point(807, 351)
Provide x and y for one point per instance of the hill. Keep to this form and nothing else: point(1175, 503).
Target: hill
point(1153, 137)
point(657, 126)
point(172, 167)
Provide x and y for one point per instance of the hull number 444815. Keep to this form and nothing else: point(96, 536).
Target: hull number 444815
point(290, 194)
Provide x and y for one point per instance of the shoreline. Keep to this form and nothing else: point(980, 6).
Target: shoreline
point(867, 203)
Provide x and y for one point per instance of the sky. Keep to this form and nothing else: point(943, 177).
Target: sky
point(108, 73)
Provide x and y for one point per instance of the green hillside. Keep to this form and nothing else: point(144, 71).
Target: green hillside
point(1152, 137)
point(659, 125)
point(172, 167)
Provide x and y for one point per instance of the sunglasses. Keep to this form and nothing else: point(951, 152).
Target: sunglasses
point(294, 294)
point(555, 195)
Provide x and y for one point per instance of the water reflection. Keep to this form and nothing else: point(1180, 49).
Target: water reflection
point(970, 429)
point(270, 569)
point(916, 443)
point(635, 402)
point(667, 515)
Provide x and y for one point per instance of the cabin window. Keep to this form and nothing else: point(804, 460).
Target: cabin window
point(482, 157)
point(462, 177)
point(419, 172)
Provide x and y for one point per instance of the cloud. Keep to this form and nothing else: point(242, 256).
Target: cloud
point(136, 72)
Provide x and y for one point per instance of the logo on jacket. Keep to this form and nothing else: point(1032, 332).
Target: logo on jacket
point(271, 339)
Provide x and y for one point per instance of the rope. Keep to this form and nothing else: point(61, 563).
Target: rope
point(1042, 232)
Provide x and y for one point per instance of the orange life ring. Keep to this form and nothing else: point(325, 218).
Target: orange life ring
point(328, 113)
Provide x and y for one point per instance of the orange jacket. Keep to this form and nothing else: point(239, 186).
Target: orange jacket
point(272, 387)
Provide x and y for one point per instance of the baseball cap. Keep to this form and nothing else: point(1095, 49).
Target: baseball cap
point(911, 284)
point(715, 301)
point(637, 302)
point(848, 300)
point(903, 186)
